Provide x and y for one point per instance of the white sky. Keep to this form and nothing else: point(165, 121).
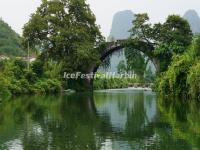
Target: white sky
point(17, 12)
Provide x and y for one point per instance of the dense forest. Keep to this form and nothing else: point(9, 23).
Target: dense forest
point(10, 41)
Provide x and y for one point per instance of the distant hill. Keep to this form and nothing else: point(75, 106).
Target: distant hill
point(9, 41)
point(194, 20)
point(122, 22)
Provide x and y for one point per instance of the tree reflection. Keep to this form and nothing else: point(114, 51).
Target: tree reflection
point(183, 119)
point(127, 120)
point(136, 126)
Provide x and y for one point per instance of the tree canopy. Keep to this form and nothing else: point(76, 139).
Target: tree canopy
point(181, 80)
point(160, 41)
point(65, 30)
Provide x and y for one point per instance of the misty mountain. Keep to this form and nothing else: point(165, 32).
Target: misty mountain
point(194, 20)
point(122, 22)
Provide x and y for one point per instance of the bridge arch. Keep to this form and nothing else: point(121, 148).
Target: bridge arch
point(107, 53)
point(117, 46)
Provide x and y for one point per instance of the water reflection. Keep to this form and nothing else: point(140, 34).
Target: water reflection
point(106, 120)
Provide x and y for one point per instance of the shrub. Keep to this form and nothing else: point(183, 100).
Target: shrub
point(15, 87)
point(20, 64)
point(31, 77)
point(37, 68)
point(25, 87)
point(182, 79)
point(112, 83)
point(4, 87)
point(193, 81)
point(16, 79)
point(46, 86)
point(173, 82)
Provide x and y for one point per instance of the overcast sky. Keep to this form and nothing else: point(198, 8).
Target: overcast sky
point(17, 12)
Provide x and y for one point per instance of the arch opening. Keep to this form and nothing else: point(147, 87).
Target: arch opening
point(108, 54)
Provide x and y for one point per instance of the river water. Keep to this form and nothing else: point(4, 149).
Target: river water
point(103, 120)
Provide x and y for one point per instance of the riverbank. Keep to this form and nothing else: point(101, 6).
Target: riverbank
point(125, 89)
point(39, 78)
point(120, 83)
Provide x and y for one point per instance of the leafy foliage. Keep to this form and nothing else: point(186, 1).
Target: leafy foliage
point(10, 41)
point(182, 77)
point(160, 41)
point(16, 79)
point(122, 68)
point(65, 30)
point(193, 81)
point(113, 83)
point(136, 62)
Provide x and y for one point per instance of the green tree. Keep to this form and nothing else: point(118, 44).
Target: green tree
point(65, 30)
point(160, 41)
point(136, 62)
point(121, 68)
point(181, 80)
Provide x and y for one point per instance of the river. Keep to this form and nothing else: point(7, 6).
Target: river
point(103, 120)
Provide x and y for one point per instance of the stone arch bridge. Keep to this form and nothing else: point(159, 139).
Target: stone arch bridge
point(112, 47)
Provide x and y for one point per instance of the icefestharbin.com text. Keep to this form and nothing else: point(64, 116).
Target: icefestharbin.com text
point(107, 75)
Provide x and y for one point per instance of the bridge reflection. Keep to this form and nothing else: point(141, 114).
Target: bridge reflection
point(99, 120)
point(76, 121)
